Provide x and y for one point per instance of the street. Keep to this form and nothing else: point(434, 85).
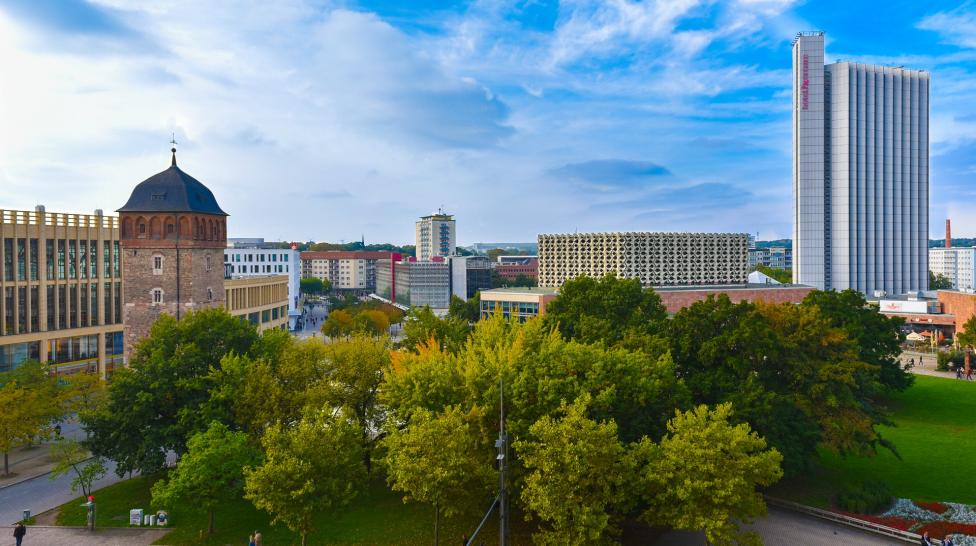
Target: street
point(315, 315)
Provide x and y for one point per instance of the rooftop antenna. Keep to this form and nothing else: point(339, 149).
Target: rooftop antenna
point(172, 141)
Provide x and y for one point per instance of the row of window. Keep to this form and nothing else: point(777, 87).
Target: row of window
point(259, 268)
point(237, 258)
point(66, 259)
point(71, 306)
point(61, 350)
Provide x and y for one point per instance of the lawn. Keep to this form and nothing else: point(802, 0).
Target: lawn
point(377, 517)
point(935, 434)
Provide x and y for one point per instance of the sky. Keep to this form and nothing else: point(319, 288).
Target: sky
point(335, 120)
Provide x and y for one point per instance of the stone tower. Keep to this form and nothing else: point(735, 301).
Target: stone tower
point(173, 238)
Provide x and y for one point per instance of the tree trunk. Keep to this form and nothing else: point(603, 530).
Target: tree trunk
point(210, 522)
point(6, 463)
point(437, 513)
point(304, 539)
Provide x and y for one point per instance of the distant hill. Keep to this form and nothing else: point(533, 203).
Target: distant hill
point(788, 243)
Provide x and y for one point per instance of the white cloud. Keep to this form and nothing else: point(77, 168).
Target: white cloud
point(956, 26)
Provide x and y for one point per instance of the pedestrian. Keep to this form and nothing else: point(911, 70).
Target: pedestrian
point(947, 541)
point(920, 363)
point(250, 540)
point(257, 538)
point(969, 375)
point(925, 540)
point(911, 362)
point(19, 532)
point(958, 372)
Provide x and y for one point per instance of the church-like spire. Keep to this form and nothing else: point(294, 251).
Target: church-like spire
point(173, 149)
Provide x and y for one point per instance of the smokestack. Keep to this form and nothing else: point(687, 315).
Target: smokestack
point(948, 243)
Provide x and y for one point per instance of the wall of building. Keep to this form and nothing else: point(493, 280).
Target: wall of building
point(249, 262)
point(957, 263)
point(675, 300)
point(436, 235)
point(352, 271)
point(261, 300)
point(961, 305)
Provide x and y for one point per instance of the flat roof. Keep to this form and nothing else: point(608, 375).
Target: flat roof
point(720, 287)
point(525, 290)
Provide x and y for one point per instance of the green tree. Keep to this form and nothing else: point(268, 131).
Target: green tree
point(938, 281)
point(70, 456)
point(606, 310)
point(371, 321)
point(164, 396)
point(704, 473)
point(339, 323)
point(576, 477)
point(421, 325)
point(441, 460)
point(311, 468)
point(19, 420)
point(467, 310)
point(494, 253)
point(967, 337)
point(209, 474)
point(314, 286)
point(784, 276)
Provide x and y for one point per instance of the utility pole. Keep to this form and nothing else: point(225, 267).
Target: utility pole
point(502, 445)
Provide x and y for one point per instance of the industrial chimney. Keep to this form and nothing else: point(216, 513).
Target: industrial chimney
point(948, 243)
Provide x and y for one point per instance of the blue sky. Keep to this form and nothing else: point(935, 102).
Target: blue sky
point(314, 119)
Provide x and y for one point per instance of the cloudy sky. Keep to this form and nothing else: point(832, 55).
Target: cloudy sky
point(334, 120)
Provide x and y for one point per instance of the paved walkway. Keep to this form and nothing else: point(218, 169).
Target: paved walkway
point(73, 536)
point(30, 462)
point(929, 361)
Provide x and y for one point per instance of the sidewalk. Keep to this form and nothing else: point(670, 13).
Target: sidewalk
point(929, 361)
point(79, 536)
point(27, 463)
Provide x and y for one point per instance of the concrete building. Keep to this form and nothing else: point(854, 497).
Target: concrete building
point(260, 299)
point(776, 257)
point(414, 283)
point(860, 173)
point(251, 260)
point(521, 303)
point(173, 234)
point(958, 264)
point(61, 287)
point(353, 271)
point(657, 259)
point(469, 275)
point(436, 236)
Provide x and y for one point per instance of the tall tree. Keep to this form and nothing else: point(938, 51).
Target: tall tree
point(467, 310)
point(442, 460)
point(210, 474)
point(310, 468)
point(606, 310)
point(312, 286)
point(71, 457)
point(19, 420)
point(576, 476)
point(421, 325)
point(704, 473)
point(156, 403)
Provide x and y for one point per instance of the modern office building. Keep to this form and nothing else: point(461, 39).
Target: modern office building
point(353, 271)
point(469, 275)
point(436, 236)
point(860, 173)
point(173, 234)
point(260, 299)
point(61, 286)
point(521, 303)
point(657, 259)
point(414, 283)
point(258, 259)
point(776, 257)
point(958, 264)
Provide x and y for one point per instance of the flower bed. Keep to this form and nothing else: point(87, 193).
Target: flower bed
point(901, 524)
point(936, 507)
point(940, 519)
point(939, 529)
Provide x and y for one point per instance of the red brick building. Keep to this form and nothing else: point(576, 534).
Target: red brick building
point(511, 271)
point(676, 298)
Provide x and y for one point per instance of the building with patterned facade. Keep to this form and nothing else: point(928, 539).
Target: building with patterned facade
point(173, 235)
point(61, 288)
point(353, 271)
point(656, 259)
point(257, 260)
point(260, 299)
point(436, 236)
point(860, 173)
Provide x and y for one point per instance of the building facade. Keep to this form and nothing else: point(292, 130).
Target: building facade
point(777, 257)
point(262, 300)
point(676, 298)
point(61, 287)
point(657, 259)
point(513, 267)
point(958, 264)
point(414, 283)
point(353, 271)
point(436, 236)
point(173, 234)
point(521, 303)
point(860, 173)
point(253, 261)
point(469, 275)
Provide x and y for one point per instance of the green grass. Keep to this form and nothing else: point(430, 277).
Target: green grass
point(379, 516)
point(935, 434)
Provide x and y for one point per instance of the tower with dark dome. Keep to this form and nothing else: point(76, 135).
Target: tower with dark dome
point(173, 235)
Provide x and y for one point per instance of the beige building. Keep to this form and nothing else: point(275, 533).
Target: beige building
point(521, 303)
point(346, 270)
point(261, 300)
point(436, 236)
point(61, 286)
point(657, 259)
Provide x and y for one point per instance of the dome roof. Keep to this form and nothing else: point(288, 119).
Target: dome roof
point(172, 191)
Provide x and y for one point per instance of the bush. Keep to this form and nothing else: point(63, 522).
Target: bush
point(950, 360)
point(865, 498)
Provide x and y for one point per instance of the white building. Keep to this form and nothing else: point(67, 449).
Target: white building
point(250, 261)
point(657, 259)
point(436, 236)
point(956, 263)
point(860, 173)
point(352, 271)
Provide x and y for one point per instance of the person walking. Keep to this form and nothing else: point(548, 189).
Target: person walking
point(250, 540)
point(925, 540)
point(958, 372)
point(921, 364)
point(19, 532)
point(911, 362)
point(257, 538)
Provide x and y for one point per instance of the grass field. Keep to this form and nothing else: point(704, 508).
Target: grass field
point(378, 517)
point(935, 434)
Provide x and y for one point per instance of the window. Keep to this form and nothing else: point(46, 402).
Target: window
point(209, 294)
point(142, 228)
point(209, 264)
point(157, 264)
point(157, 296)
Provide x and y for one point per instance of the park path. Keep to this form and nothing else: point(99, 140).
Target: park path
point(75, 536)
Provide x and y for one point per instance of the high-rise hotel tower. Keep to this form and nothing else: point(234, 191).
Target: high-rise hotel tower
point(860, 173)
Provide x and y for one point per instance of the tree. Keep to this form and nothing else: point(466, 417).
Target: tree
point(967, 337)
point(442, 460)
point(605, 310)
point(71, 456)
point(19, 421)
point(704, 473)
point(938, 281)
point(372, 321)
point(314, 286)
point(310, 468)
point(576, 476)
point(339, 323)
point(164, 396)
point(494, 253)
point(467, 310)
point(784, 276)
point(209, 474)
point(421, 325)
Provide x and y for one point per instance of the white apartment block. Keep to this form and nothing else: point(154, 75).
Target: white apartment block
point(346, 270)
point(657, 259)
point(246, 261)
point(860, 173)
point(956, 263)
point(436, 236)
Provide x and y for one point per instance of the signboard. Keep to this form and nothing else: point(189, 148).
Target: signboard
point(901, 306)
point(805, 85)
point(135, 516)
